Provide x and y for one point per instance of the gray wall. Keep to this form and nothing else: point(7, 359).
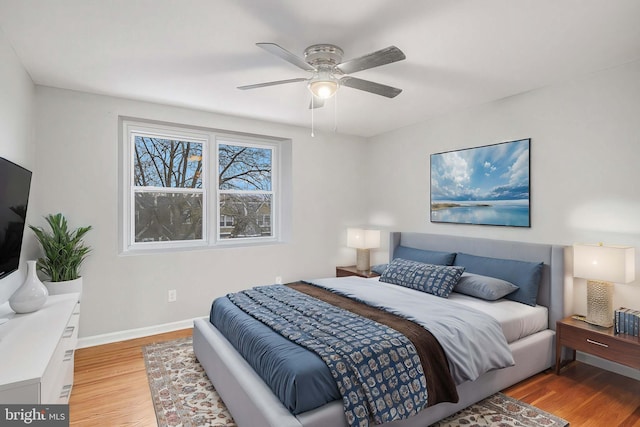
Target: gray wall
point(17, 94)
point(77, 161)
point(585, 148)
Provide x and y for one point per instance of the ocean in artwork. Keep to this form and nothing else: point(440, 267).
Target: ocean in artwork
point(513, 213)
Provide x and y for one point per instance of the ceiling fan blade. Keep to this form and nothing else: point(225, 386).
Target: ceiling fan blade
point(277, 82)
point(286, 55)
point(375, 59)
point(316, 102)
point(368, 86)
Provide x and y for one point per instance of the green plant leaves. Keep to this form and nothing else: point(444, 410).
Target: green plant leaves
point(64, 250)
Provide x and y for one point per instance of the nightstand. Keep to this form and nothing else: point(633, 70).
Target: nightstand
point(597, 341)
point(353, 271)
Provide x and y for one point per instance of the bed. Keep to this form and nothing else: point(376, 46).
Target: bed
point(253, 403)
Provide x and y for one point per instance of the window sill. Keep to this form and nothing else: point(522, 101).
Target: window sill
point(222, 244)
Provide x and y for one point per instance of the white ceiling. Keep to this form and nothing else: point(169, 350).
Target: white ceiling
point(194, 53)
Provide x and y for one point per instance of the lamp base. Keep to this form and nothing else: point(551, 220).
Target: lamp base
point(362, 260)
point(600, 303)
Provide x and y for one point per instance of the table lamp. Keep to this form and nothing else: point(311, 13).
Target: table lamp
point(601, 265)
point(362, 241)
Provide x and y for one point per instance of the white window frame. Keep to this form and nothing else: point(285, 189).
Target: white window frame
point(133, 129)
point(224, 140)
point(280, 186)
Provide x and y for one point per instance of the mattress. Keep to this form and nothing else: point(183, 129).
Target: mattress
point(300, 379)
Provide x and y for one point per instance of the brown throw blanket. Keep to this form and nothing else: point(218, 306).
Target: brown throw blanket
point(440, 384)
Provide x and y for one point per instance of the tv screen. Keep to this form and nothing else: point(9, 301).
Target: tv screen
point(15, 182)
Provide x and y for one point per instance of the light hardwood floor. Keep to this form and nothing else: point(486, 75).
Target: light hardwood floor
point(110, 385)
point(111, 389)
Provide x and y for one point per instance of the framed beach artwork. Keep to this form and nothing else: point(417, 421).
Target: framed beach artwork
point(486, 185)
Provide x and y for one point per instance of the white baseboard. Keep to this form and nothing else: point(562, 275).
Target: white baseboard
point(134, 333)
point(609, 366)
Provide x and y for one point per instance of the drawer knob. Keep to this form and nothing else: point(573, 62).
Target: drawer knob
point(597, 343)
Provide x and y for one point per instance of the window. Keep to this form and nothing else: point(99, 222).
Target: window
point(226, 221)
point(192, 188)
point(245, 189)
point(168, 193)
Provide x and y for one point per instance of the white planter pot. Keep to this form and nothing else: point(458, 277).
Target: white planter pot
point(66, 287)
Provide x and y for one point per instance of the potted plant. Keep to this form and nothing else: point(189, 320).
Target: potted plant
point(64, 252)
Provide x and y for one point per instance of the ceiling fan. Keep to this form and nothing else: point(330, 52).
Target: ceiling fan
point(330, 72)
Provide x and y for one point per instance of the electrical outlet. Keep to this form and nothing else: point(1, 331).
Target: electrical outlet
point(278, 280)
point(171, 296)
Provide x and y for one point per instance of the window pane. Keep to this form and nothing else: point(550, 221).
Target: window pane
point(169, 163)
point(244, 168)
point(244, 213)
point(167, 216)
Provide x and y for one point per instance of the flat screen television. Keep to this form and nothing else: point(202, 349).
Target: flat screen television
point(15, 183)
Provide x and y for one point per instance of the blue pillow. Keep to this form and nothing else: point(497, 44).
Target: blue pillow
point(437, 280)
point(483, 287)
point(425, 256)
point(525, 275)
point(379, 268)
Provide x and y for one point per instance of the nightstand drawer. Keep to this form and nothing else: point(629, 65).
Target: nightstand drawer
point(599, 345)
point(601, 342)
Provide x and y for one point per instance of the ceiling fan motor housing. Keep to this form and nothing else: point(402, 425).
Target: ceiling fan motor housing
point(323, 55)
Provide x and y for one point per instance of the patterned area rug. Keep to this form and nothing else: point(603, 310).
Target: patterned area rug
point(183, 396)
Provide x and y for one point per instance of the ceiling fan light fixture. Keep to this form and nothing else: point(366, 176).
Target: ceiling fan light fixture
point(323, 84)
point(323, 89)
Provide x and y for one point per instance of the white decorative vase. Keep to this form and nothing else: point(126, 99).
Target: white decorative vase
point(31, 295)
point(65, 287)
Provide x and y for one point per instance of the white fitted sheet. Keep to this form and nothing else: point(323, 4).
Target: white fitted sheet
point(517, 320)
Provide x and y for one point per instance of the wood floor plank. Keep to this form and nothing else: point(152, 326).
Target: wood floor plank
point(111, 389)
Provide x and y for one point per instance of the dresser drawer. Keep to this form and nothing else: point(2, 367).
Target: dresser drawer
point(58, 377)
point(61, 388)
point(57, 373)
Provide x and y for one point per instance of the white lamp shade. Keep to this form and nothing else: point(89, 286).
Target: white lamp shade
point(363, 239)
point(607, 263)
point(323, 89)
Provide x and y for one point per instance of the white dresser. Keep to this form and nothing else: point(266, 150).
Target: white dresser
point(37, 352)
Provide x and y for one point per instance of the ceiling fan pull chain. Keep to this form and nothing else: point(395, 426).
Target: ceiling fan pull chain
point(312, 135)
point(335, 112)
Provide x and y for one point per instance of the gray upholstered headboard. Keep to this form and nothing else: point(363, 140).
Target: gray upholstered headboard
point(551, 291)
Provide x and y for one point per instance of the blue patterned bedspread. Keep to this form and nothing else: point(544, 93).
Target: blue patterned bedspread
point(376, 368)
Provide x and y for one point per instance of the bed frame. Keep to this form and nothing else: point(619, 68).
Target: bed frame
point(252, 403)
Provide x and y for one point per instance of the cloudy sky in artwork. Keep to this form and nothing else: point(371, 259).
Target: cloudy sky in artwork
point(493, 172)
